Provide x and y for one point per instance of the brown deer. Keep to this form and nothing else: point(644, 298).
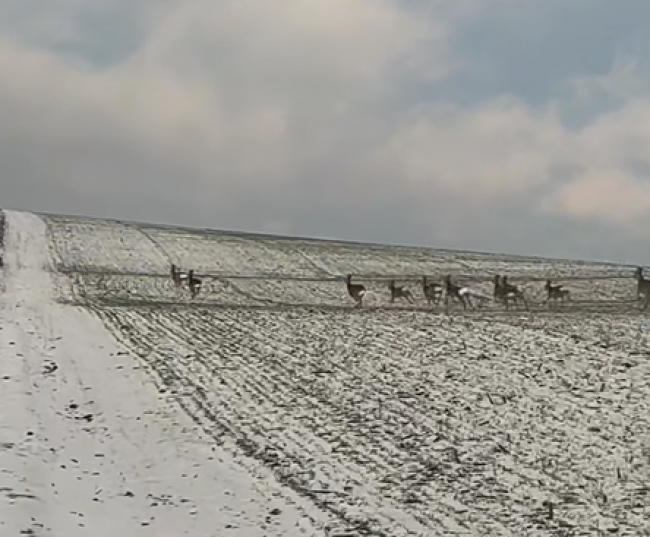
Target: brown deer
point(454, 291)
point(178, 277)
point(399, 292)
point(432, 291)
point(193, 283)
point(642, 288)
point(556, 292)
point(355, 290)
point(506, 292)
point(501, 293)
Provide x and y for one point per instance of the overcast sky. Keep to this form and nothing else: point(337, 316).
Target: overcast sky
point(503, 125)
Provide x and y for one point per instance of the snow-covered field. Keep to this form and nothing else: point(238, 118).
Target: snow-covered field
point(269, 406)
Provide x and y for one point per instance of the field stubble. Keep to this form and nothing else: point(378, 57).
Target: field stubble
point(394, 422)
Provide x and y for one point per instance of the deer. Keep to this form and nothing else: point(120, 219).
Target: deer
point(432, 291)
point(505, 291)
point(178, 276)
point(556, 292)
point(500, 292)
point(456, 292)
point(355, 290)
point(642, 288)
point(399, 292)
point(193, 283)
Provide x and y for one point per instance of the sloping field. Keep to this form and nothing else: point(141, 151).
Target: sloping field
point(321, 419)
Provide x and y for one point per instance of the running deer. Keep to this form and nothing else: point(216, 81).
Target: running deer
point(432, 291)
point(507, 292)
point(455, 291)
point(642, 288)
point(399, 292)
point(556, 292)
point(193, 283)
point(355, 290)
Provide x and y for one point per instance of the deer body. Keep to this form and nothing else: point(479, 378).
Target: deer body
point(432, 291)
point(501, 292)
point(178, 277)
point(642, 288)
point(355, 290)
point(456, 292)
point(506, 292)
point(194, 283)
point(556, 292)
point(399, 292)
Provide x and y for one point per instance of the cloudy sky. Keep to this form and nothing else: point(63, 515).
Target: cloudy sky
point(503, 125)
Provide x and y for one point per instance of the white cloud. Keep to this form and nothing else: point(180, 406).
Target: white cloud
point(607, 193)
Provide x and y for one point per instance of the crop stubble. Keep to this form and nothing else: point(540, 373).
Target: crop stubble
point(396, 422)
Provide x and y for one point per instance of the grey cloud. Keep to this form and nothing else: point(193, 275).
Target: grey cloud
point(192, 129)
point(531, 49)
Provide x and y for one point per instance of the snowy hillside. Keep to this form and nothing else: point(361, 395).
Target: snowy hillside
point(269, 406)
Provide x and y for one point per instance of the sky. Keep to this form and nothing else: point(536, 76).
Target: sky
point(494, 125)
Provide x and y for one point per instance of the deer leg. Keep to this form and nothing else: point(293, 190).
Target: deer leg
point(525, 302)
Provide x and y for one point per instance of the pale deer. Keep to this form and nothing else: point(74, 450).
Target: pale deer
point(642, 288)
point(556, 292)
point(355, 290)
point(432, 291)
point(399, 292)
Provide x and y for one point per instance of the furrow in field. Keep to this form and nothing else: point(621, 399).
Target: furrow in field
point(560, 481)
point(381, 447)
point(254, 422)
point(275, 442)
point(312, 440)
